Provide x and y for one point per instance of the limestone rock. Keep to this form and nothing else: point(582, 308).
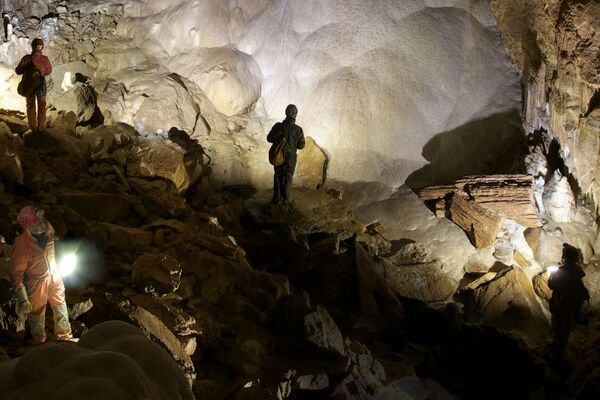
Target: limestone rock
point(122, 237)
point(510, 196)
point(79, 99)
point(591, 280)
point(297, 381)
point(555, 45)
point(322, 331)
point(12, 325)
point(155, 328)
point(159, 273)
point(221, 246)
point(312, 211)
point(77, 304)
point(482, 226)
point(165, 159)
point(114, 357)
point(410, 253)
point(10, 163)
point(177, 320)
point(426, 282)
point(372, 286)
point(15, 124)
point(509, 302)
point(98, 206)
point(406, 219)
point(559, 200)
point(540, 285)
point(159, 197)
point(104, 141)
point(312, 161)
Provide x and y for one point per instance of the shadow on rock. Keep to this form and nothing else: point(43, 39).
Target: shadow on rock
point(494, 144)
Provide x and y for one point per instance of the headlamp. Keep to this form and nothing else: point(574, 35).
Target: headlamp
point(67, 264)
point(551, 270)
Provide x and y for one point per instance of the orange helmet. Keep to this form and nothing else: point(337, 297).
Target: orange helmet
point(28, 216)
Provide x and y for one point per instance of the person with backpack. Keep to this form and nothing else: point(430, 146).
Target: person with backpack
point(568, 295)
point(287, 138)
point(34, 67)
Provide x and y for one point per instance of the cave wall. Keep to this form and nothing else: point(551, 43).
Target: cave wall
point(556, 43)
point(375, 82)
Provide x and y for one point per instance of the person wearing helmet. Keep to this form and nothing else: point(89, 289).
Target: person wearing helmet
point(36, 61)
point(294, 140)
point(35, 276)
point(568, 295)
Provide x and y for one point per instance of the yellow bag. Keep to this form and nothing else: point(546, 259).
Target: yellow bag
point(276, 152)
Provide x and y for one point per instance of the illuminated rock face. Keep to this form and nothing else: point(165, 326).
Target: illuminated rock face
point(556, 44)
point(375, 82)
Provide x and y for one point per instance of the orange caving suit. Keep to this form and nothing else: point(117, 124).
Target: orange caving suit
point(35, 267)
point(42, 63)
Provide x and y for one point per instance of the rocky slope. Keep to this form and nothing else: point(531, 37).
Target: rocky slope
point(304, 301)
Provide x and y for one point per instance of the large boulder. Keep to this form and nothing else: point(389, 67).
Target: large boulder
point(312, 162)
point(111, 360)
point(230, 78)
point(322, 331)
point(122, 237)
point(426, 281)
point(153, 327)
point(160, 273)
point(481, 225)
point(165, 159)
point(406, 219)
point(509, 302)
point(101, 207)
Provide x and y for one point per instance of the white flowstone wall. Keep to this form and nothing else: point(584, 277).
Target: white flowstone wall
point(374, 81)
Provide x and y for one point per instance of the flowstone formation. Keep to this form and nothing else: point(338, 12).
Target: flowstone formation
point(415, 73)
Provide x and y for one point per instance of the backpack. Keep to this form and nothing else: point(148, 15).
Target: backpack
point(31, 82)
point(276, 152)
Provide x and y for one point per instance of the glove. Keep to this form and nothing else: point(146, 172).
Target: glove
point(23, 304)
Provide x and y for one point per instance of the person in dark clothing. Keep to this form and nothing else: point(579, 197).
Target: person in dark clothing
point(5, 23)
point(568, 295)
point(294, 140)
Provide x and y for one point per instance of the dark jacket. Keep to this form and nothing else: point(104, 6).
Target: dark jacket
point(294, 138)
point(568, 290)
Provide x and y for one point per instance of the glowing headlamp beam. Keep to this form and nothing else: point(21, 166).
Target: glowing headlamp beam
point(67, 264)
point(551, 270)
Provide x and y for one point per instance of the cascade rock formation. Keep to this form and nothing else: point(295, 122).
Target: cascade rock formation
point(557, 44)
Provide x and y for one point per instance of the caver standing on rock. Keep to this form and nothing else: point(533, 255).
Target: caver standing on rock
point(36, 278)
point(568, 295)
point(35, 67)
point(287, 138)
